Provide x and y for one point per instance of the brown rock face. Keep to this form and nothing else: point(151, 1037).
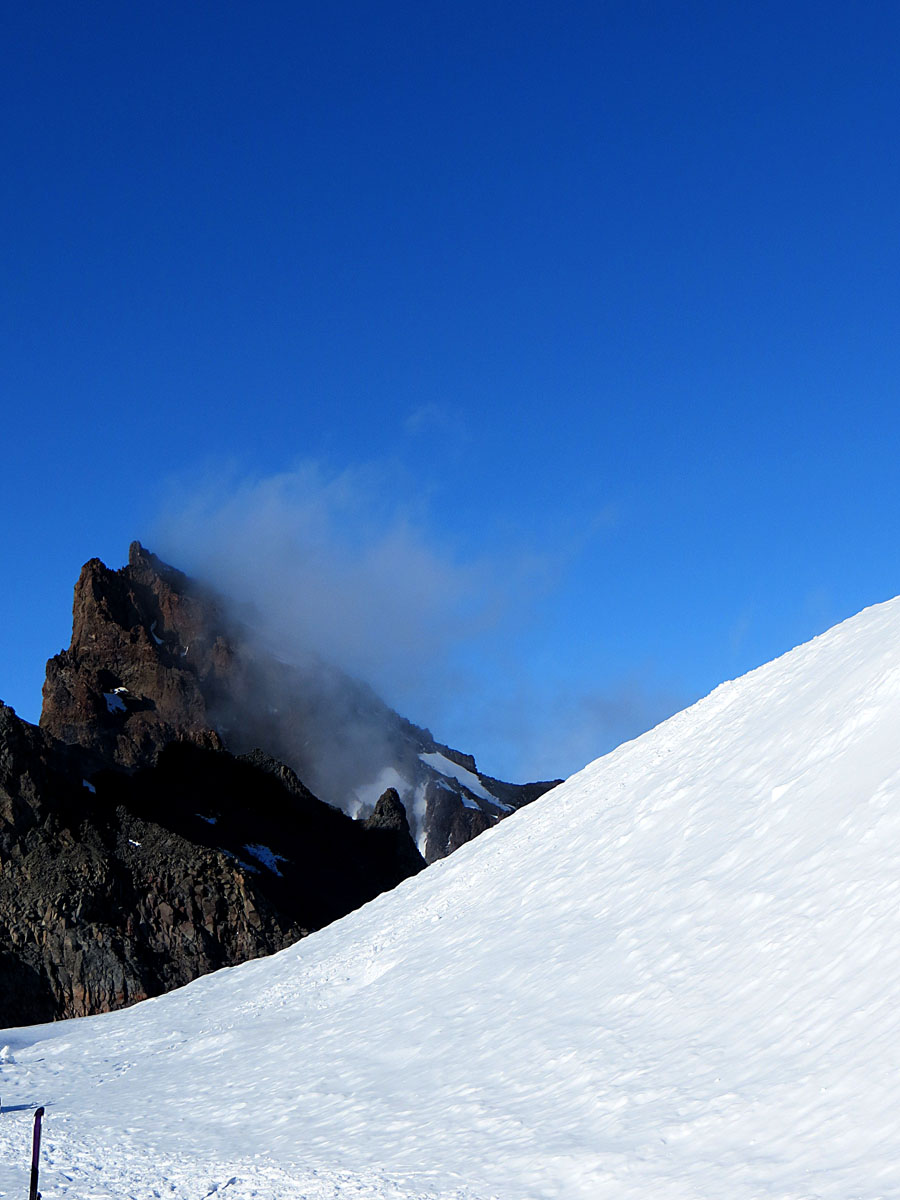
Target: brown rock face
point(136, 853)
point(146, 838)
point(155, 658)
point(142, 663)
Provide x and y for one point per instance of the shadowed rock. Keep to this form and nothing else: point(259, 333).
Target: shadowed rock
point(158, 824)
point(389, 823)
point(142, 881)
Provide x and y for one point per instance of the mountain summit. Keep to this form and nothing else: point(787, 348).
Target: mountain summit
point(674, 975)
point(156, 658)
point(159, 823)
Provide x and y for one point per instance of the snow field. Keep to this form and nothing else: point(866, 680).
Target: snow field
point(674, 976)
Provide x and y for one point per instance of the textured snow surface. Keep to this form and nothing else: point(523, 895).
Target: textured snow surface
point(675, 976)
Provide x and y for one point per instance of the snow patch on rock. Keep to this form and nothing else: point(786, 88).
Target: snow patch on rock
point(445, 766)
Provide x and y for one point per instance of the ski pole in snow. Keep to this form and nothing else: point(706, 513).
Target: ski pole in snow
point(34, 1194)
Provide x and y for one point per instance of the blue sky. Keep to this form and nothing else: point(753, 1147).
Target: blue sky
point(575, 325)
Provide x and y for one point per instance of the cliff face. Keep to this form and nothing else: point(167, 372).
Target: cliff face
point(146, 651)
point(155, 658)
point(155, 826)
point(136, 853)
point(116, 886)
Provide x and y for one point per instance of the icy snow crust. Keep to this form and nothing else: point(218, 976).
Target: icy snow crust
point(675, 977)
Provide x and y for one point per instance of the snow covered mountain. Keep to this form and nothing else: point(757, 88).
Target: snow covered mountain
point(674, 976)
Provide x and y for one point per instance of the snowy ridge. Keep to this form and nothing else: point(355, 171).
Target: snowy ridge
point(452, 770)
point(673, 976)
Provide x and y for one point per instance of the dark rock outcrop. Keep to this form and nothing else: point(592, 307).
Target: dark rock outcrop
point(159, 823)
point(147, 652)
point(390, 824)
point(156, 658)
point(453, 823)
point(124, 885)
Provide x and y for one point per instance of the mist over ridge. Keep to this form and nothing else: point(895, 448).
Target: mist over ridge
point(338, 571)
point(343, 569)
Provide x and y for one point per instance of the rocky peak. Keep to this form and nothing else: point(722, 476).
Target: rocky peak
point(389, 812)
point(390, 823)
point(163, 820)
point(156, 658)
point(133, 677)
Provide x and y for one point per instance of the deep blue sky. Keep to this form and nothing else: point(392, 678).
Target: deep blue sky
point(603, 293)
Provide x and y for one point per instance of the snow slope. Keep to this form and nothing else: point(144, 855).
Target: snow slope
point(674, 976)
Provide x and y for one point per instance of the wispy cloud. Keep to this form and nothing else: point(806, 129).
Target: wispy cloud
point(345, 565)
point(340, 564)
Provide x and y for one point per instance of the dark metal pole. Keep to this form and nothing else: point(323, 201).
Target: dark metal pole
point(35, 1155)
